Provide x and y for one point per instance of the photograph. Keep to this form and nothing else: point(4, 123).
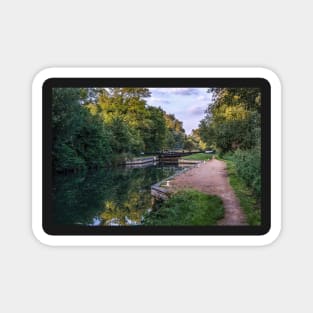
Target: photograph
point(126, 156)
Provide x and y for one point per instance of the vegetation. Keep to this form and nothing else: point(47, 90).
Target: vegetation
point(248, 200)
point(175, 133)
point(198, 156)
point(80, 139)
point(232, 125)
point(196, 140)
point(101, 127)
point(248, 167)
point(233, 119)
point(98, 127)
point(187, 207)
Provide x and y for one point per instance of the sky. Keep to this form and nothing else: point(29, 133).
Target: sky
point(187, 104)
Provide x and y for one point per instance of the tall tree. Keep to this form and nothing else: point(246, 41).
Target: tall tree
point(232, 120)
point(175, 134)
point(80, 139)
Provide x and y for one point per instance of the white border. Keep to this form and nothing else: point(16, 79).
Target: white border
point(129, 240)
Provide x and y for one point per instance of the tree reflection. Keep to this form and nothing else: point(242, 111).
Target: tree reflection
point(116, 196)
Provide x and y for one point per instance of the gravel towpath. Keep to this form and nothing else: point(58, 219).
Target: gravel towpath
point(211, 178)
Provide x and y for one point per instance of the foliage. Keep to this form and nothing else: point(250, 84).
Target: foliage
point(155, 134)
point(124, 111)
point(250, 98)
point(195, 137)
point(232, 125)
point(189, 145)
point(233, 119)
point(248, 200)
point(150, 128)
point(248, 167)
point(175, 133)
point(95, 127)
point(187, 207)
point(80, 140)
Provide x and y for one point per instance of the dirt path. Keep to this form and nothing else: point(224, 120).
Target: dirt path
point(211, 178)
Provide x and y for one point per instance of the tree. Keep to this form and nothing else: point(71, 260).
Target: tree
point(195, 137)
point(80, 139)
point(175, 133)
point(155, 133)
point(66, 125)
point(95, 127)
point(189, 145)
point(233, 119)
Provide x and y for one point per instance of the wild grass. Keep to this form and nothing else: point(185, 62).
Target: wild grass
point(198, 156)
point(248, 200)
point(187, 208)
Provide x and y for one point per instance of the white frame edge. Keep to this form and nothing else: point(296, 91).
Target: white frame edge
point(131, 240)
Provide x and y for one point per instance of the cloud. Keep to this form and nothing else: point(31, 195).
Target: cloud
point(186, 91)
point(202, 98)
point(196, 110)
point(176, 91)
point(157, 100)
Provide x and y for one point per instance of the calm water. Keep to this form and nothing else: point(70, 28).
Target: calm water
point(118, 196)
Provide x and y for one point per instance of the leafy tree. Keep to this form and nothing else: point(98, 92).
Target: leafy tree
point(155, 135)
point(195, 137)
point(80, 140)
point(93, 141)
point(66, 125)
point(249, 97)
point(175, 134)
point(95, 127)
point(233, 119)
point(189, 145)
point(121, 135)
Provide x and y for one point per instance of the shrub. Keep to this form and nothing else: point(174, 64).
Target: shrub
point(248, 166)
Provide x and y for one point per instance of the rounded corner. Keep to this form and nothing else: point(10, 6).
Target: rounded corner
point(41, 234)
point(42, 76)
point(270, 76)
point(271, 236)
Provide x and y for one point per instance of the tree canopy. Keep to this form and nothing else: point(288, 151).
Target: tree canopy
point(233, 119)
point(94, 127)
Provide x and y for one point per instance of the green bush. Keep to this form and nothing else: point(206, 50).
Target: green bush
point(248, 166)
point(248, 199)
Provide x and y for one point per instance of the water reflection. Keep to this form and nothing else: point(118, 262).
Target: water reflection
point(113, 197)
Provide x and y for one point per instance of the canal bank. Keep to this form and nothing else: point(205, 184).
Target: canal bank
point(141, 160)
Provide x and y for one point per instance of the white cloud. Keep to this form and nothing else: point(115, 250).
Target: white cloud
point(176, 91)
point(197, 109)
point(156, 100)
point(202, 98)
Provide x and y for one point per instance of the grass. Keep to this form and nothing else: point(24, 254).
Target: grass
point(246, 197)
point(189, 208)
point(198, 156)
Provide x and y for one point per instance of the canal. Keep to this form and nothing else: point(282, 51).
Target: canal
point(115, 196)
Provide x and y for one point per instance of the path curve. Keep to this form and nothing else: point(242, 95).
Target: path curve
point(211, 178)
